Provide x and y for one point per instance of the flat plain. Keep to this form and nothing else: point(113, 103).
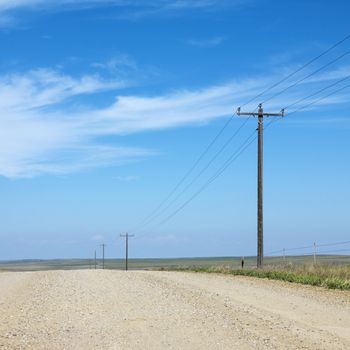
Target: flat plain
point(111, 309)
point(171, 263)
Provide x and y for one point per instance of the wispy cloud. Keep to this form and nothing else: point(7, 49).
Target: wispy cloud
point(117, 63)
point(127, 178)
point(208, 42)
point(123, 65)
point(175, 4)
point(126, 9)
point(43, 87)
point(40, 133)
point(97, 238)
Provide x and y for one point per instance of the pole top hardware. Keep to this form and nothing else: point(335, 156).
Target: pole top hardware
point(260, 113)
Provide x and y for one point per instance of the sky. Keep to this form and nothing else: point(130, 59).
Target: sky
point(106, 106)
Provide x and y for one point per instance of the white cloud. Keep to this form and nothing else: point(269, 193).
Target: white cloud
point(127, 9)
point(163, 4)
point(208, 42)
point(127, 178)
point(97, 238)
point(116, 63)
point(10, 4)
point(42, 87)
point(41, 134)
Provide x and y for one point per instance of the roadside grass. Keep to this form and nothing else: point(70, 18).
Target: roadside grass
point(331, 271)
point(328, 276)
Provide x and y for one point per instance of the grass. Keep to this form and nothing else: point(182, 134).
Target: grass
point(331, 271)
point(134, 264)
point(328, 276)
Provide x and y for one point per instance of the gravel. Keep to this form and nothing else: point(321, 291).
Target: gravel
point(104, 309)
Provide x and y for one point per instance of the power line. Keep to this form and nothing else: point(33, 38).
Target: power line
point(309, 247)
point(156, 212)
point(318, 92)
point(249, 140)
point(187, 174)
point(228, 141)
point(274, 252)
point(319, 99)
point(165, 200)
point(308, 76)
point(333, 244)
point(214, 177)
point(298, 70)
point(324, 251)
point(290, 249)
point(333, 251)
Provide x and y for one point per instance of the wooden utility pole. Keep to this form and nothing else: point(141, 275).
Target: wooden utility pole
point(314, 253)
point(103, 255)
point(126, 249)
point(260, 224)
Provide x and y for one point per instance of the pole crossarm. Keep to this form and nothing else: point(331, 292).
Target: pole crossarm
point(260, 113)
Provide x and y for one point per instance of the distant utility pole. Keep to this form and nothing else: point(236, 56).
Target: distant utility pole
point(95, 260)
point(314, 253)
point(260, 227)
point(103, 255)
point(126, 249)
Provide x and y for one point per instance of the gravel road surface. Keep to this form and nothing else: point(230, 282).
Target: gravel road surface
point(104, 309)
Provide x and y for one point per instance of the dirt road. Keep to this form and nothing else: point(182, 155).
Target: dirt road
point(101, 309)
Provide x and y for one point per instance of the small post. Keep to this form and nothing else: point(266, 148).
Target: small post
point(126, 249)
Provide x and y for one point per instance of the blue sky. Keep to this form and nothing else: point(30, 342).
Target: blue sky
point(105, 105)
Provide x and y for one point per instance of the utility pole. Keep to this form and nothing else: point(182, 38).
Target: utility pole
point(260, 222)
point(95, 260)
point(314, 253)
point(126, 249)
point(103, 255)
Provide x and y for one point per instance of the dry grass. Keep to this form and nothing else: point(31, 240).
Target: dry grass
point(329, 276)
